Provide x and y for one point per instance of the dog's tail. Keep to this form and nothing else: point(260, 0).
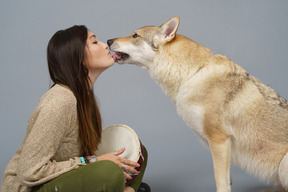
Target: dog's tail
point(283, 172)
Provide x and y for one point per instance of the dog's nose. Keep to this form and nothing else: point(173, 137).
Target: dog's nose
point(110, 42)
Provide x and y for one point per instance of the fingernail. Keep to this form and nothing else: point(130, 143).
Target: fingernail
point(138, 165)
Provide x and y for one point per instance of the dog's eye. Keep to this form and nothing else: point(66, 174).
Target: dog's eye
point(135, 35)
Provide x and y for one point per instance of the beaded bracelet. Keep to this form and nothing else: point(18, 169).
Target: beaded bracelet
point(82, 160)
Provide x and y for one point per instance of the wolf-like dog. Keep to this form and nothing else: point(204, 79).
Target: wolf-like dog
point(241, 120)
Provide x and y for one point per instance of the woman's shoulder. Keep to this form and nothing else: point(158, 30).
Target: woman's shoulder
point(58, 96)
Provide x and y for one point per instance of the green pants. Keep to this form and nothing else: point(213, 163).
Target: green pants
point(101, 176)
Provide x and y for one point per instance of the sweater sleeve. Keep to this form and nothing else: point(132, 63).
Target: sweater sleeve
point(50, 127)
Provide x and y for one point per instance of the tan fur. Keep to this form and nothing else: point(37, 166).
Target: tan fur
point(242, 120)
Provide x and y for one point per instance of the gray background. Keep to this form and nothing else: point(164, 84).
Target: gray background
point(253, 33)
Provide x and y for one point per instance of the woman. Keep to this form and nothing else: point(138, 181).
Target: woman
point(64, 130)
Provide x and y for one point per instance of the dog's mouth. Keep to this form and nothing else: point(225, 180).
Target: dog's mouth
point(120, 56)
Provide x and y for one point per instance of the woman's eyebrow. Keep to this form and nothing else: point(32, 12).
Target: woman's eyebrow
point(92, 36)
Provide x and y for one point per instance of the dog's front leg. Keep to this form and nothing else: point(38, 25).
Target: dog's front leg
point(220, 150)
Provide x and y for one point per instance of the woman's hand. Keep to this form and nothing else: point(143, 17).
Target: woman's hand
point(123, 163)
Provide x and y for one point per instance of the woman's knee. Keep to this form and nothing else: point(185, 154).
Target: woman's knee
point(99, 176)
point(109, 174)
point(113, 172)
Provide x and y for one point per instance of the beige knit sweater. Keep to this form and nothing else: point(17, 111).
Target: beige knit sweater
point(51, 146)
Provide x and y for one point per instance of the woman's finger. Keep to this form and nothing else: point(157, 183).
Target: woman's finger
point(131, 163)
point(127, 176)
point(119, 152)
point(128, 168)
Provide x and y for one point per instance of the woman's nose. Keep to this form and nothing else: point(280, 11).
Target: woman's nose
point(104, 45)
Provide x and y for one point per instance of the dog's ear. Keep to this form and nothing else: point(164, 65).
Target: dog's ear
point(167, 31)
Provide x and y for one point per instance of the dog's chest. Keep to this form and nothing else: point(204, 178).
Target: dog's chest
point(193, 117)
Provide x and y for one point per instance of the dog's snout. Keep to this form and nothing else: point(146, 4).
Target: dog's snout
point(110, 42)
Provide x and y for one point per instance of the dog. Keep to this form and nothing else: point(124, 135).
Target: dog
point(241, 120)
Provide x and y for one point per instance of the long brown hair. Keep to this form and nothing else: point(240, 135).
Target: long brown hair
point(65, 55)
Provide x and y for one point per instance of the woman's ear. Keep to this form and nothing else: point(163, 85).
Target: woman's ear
point(167, 31)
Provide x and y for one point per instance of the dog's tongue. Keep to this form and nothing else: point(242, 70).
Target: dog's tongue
point(114, 57)
point(117, 56)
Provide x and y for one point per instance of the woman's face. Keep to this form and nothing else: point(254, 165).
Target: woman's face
point(97, 56)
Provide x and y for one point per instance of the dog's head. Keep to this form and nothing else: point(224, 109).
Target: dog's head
point(141, 47)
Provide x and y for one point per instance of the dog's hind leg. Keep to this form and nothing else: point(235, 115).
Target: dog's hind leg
point(282, 175)
point(221, 150)
point(283, 172)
